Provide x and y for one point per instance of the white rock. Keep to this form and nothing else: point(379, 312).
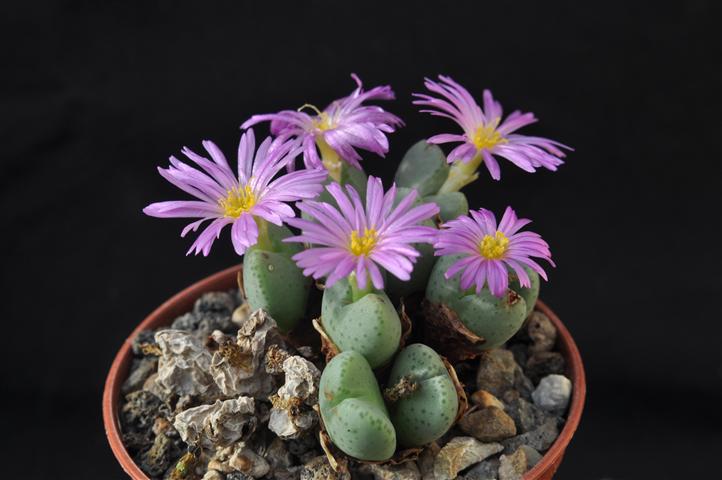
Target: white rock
point(553, 393)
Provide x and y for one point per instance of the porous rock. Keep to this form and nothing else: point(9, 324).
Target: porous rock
point(489, 424)
point(140, 410)
point(526, 415)
point(159, 457)
point(486, 470)
point(460, 453)
point(553, 393)
point(139, 373)
point(540, 439)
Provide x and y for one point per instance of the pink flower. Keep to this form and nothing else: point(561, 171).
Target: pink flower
point(343, 126)
point(489, 251)
point(352, 238)
point(484, 132)
point(243, 201)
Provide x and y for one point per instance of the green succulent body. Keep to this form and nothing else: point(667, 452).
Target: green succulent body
point(424, 167)
point(493, 318)
point(268, 270)
point(353, 409)
point(369, 325)
point(451, 205)
point(529, 294)
point(429, 411)
point(397, 288)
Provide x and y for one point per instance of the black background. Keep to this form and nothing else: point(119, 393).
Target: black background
point(95, 95)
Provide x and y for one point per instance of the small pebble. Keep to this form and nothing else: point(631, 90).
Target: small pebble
point(485, 399)
point(497, 370)
point(140, 371)
point(512, 467)
point(542, 332)
point(526, 415)
point(541, 364)
point(489, 424)
point(486, 470)
point(553, 393)
point(540, 439)
point(532, 456)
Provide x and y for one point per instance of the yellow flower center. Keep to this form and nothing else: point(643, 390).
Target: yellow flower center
point(494, 247)
point(363, 244)
point(486, 136)
point(239, 200)
point(322, 121)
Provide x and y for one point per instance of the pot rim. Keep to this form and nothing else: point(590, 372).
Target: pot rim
point(183, 301)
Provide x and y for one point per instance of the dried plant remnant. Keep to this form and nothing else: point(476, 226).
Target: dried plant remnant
point(221, 423)
point(291, 414)
point(184, 364)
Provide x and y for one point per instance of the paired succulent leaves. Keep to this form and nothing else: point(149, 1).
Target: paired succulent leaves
point(373, 246)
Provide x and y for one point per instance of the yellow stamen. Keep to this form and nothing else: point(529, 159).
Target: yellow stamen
point(239, 200)
point(494, 247)
point(323, 121)
point(362, 245)
point(487, 137)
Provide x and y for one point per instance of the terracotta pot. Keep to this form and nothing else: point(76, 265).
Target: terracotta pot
point(226, 279)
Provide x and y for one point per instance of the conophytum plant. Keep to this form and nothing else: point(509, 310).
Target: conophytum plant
point(371, 246)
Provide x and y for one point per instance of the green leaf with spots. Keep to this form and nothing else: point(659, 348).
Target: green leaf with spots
point(353, 409)
point(493, 318)
point(272, 280)
point(427, 412)
point(370, 325)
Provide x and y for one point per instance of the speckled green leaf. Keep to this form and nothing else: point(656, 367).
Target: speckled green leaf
point(353, 409)
point(369, 326)
point(429, 412)
point(273, 282)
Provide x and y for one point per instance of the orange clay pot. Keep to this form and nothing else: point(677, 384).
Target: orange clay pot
point(225, 280)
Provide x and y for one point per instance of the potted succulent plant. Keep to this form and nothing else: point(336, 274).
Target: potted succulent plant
point(432, 356)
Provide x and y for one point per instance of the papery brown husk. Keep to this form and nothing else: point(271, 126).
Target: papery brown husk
point(445, 333)
point(406, 325)
point(460, 392)
point(328, 348)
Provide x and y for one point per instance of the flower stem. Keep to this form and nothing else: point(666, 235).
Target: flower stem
point(461, 174)
point(264, 239)
point(356, 292)
point(330, 159)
